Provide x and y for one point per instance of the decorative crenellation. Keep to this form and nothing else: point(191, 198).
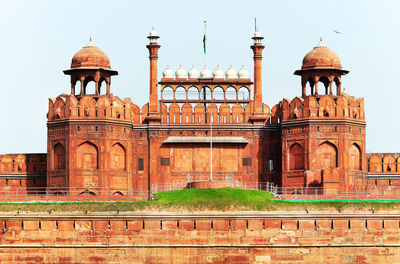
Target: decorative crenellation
point(22, 163)
point(383, 162)
point(324, 106)
point(71, 107)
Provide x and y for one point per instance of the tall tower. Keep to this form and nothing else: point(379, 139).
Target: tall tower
point(258, 116)
point(154, 110)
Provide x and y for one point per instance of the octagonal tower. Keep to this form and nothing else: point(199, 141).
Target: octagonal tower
point(89, 133)
point(323, 134)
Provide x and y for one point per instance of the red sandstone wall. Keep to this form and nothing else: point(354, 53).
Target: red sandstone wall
point(19, 171)
point(181, 240)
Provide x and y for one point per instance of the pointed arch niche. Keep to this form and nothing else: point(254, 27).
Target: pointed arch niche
point(118, 157)
point(296, 157)
point(327, 156)
point(59, 157)
point(355, 157)
point(87, 156)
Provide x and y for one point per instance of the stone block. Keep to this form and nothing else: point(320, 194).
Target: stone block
point(238, 224)
point(221, 225)
point(255, 225)
point(272, 224)
point(324, 224)
point(118, 225)
point(31, 225)
point(65, 225)
point(289, 224)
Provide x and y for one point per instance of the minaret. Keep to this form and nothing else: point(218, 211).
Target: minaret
point(154, 114)
point(258, 116)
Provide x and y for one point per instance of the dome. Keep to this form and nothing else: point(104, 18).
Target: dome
point(180, 73)
point(218, 73)
point(193, 73)
point(243, 73)
point(168, 73)
point(321, 57)
point(90, 56)
point(205, 73)
point(230, 73)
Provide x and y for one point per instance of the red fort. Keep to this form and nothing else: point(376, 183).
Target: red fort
point(98, 140)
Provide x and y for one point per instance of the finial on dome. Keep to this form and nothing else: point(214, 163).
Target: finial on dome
point(90, 43)
point(320, 43)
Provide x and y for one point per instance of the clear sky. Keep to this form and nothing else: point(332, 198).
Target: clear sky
point(39, 38)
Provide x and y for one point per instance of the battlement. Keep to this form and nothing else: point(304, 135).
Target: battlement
point(15, 164)
point(319, 106)
point(110, 107)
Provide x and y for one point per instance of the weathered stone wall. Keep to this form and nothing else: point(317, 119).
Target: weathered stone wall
point(218, 238)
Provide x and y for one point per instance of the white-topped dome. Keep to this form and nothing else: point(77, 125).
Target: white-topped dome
point(218, 73)
point(205, 73)
point(193, 73)
point(230, 73)
point(243, 73)
point(168, 73)
point(180, 73)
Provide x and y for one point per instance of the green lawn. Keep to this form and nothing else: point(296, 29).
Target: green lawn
point(224, 199)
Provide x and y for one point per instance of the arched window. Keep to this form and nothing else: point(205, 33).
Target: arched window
point(327, 156)
point(118, 157)
point(89, 85)
point(103, 86)
point(296, 157)
point(87, 156)
point(205, 93)
point(167, 93)
point(193, 93)
point(180, 93)
point(77, 87)
point(230, 93)
point(59, 157)
point(218, 93)
point(355, 157)
point(323, 85)
point(243, 93)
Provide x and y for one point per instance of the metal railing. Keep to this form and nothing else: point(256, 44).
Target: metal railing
point(180, 185)
point(320, 193)
point(72, 194)
point(112, 194)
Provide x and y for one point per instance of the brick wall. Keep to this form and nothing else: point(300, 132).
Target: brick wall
point(183, 239)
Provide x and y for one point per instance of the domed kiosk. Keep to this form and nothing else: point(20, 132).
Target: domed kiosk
point(90, 64)
point(321, 64)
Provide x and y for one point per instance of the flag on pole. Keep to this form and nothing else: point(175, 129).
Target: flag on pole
point(205, 37)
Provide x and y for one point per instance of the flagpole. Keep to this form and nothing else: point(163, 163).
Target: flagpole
point(205, 41)
point(211, 165)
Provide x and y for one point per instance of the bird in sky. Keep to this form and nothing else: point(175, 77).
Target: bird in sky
point(337, 32)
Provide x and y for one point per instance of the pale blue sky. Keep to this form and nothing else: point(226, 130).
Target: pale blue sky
point(39, 38)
